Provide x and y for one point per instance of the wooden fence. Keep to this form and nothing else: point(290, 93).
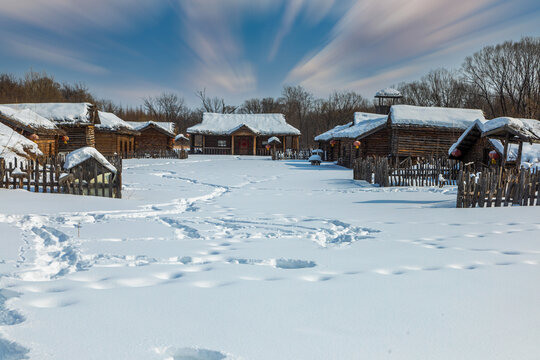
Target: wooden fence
point(291, 154)
point(48, 175)
point(157, 154)
point(497, 187)
point(408, 172)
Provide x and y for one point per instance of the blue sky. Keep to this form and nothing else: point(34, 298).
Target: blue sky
point(125, 50)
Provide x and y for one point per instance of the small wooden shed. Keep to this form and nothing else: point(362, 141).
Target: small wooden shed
point(154, 135)
point(181, 142)
point(114, 135)
point(498, 135)
point(40, 130)
point(241, 134)
point(330, 146)
point(76, 119)
point(367, 136)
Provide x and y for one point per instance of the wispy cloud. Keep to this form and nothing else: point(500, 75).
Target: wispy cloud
point(210, 29)
point(313, 11)
point(375, 37)
point(65, 16)
point(47, 53)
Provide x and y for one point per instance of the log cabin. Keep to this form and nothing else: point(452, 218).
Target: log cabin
point(407, 131)
point(498, 142)
point(33, 126)
point(114, 135)
point(241, 134)
point(153, 135)
point(76, 119)
point(417, 131)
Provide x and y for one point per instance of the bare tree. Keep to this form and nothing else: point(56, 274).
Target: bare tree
point(215, 104)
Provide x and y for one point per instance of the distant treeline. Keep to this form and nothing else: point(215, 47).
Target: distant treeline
point(503, 80)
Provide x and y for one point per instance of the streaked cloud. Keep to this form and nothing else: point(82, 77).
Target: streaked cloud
point(391, 36)
point(64, 16)
point(48, 53)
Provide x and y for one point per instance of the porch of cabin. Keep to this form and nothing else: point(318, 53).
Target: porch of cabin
point(242, 142)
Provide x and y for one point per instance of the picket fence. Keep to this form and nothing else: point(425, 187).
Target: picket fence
point(498, 187)
point(48, 176)
point(408, 172)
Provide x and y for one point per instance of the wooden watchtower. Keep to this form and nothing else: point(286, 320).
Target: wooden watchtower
point(386, 98)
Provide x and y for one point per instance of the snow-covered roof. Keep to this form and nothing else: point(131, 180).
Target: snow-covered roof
point(364, 123)
point(111, 122)
point(408, 115)
point(181, 137)
point(329, 135)
point(14, 145)
point(528, 129)
point(27, 120)
point(61, 113)
point(79, 156)
point(388, 92)
point(477, 124)
point(227, 124)
point(274, 139)
point(167, 127)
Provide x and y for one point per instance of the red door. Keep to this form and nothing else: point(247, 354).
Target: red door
point(243, 145)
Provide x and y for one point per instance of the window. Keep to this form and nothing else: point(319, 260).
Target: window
point(222, 143)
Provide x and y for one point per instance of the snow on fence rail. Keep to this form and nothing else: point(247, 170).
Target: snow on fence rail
point(154, 154)
point(291, 154)
point(420, 172)
point(48, 175)
point(497, 187)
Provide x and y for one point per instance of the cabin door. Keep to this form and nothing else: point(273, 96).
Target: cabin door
point(243, 145)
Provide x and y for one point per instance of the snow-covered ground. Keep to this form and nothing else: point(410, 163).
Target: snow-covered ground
point(245, 258)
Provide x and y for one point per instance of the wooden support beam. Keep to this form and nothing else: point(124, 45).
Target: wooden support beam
point(232, 145)
point(505, 151)
point(518, 159)
point(254, 145)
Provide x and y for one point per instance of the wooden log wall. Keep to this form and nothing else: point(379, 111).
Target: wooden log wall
point(422, 141)
point(498, 187)
point(48, 144)
point(151, 139)
point(79, 137)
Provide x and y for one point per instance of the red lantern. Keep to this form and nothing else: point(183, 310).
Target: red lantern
point(34, 137)
point(456, 153)
point(65, 139)
point(357, 144)
point(493, 155)
point(332, 143)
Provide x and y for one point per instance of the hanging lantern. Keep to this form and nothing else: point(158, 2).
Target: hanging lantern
point(34, 137)
point(65, 139)
point(493, 155)
point(456, 153)
point(357, 144)
point(332, 143)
